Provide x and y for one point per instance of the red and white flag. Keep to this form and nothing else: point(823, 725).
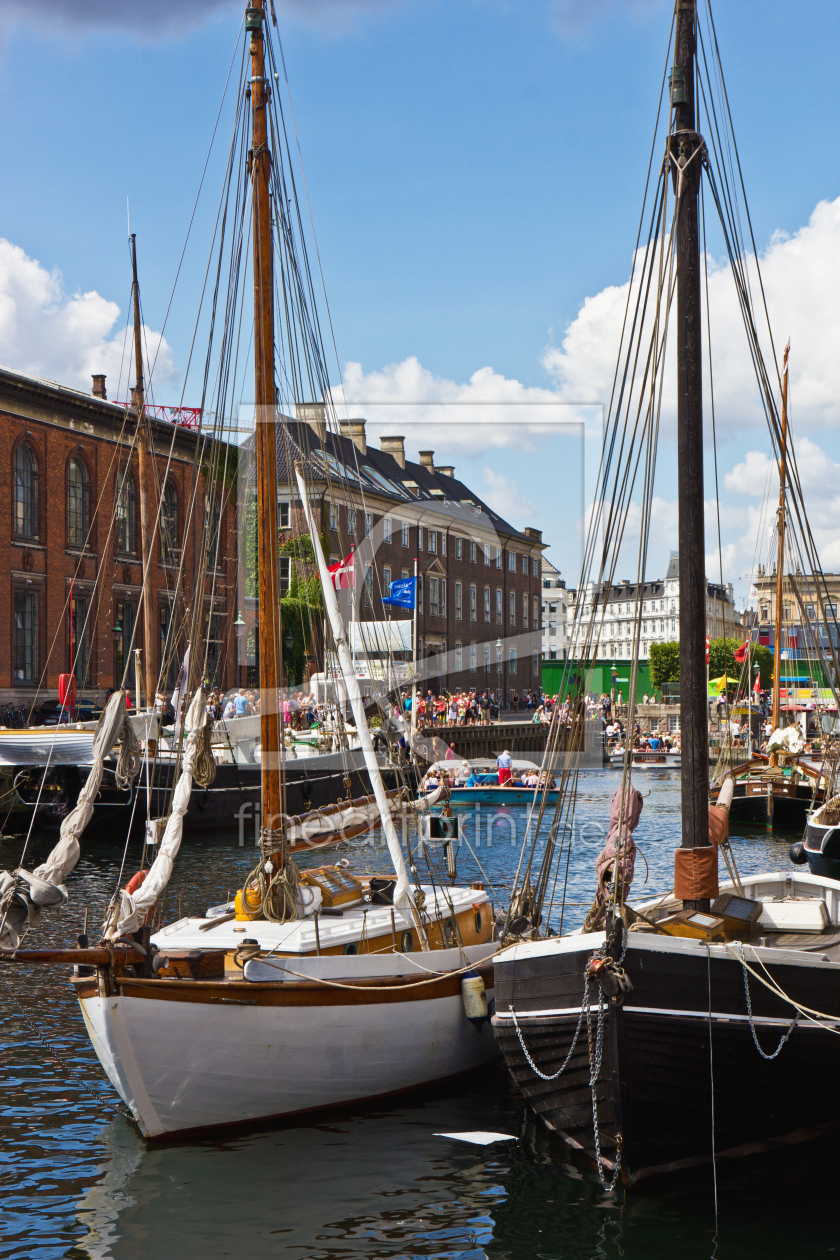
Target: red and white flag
point(757, 685)
point(342, 573)
point(707, 649)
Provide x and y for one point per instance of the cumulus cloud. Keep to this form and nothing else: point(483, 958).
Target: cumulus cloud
point(801, 278)
point(63, 337)
point(487, 410)
point(503, 495)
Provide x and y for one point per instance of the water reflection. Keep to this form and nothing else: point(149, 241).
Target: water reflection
point(76, 1181)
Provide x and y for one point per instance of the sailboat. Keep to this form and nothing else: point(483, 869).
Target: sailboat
point(780, 787)
point(669, 1034)
point(320, 987)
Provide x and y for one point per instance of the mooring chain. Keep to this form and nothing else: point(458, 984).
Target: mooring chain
point(542, 1075)
point(785, 1036)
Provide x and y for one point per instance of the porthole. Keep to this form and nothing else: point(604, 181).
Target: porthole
point(478, 920)
point(407, 942)
point(352, 948)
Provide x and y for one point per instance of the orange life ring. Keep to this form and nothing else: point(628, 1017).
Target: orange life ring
point(135, 882)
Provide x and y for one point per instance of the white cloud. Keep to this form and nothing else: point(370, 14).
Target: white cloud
point(576, 17)
point(503, 496)
point(487, 410)
point(65, 337)
point(801, 277)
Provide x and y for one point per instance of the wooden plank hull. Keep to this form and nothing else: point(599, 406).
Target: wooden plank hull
point(664, 1058)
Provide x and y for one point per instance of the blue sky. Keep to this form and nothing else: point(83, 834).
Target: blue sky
point(475, 168)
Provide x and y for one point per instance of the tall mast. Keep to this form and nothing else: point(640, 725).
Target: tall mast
point(694, 711)
point(780, 554)
point(144, 458)
point(264, 394)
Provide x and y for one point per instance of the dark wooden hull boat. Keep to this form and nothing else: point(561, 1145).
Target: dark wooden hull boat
point(766, 796)
point(681, 1039)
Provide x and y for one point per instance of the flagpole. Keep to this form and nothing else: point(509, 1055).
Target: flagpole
point(414, 663)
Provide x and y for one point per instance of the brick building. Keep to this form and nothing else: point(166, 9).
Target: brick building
point(480, 591)
point(70, 542)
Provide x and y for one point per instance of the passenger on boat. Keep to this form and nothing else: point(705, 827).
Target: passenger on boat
point(504, 761)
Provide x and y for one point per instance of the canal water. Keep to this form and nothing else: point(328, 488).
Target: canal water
point(371, 1183)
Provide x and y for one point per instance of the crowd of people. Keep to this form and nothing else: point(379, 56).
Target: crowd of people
point(467, 708)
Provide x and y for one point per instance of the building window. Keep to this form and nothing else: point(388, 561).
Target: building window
point(499, 609)
point(459, 612)
point(386, 581)
point(444, 666)
point(472, 552)
point(524, 611)
point(170, 648)
point(459, 656)
point(169, 537)
point(473, 658)
point(404, 533)
point(459, 548)
point(78, 502)
point(536, 607)
point(512, 609)
point(487, 603)
point(26, 634)
point(368, 524)
point(512, 661)
point(283, 514)
point(535, 567)
point(486, 658)
point(498, 557)
point(386, 529)
point(126, 515)
point(285, 574)
point(524, 566)
point(26, 492)
point(420, 592)
point(432, 541)
point(473, 602)
point(536, 665)
point(512, 561)
point(433, 597)
point(442, 543)
point(487, 553)
point(419, 537)
point(368, 586)
point(351, 522)
point(79, 635)
point(213, 516)
point(333, 516)
point(123, 643)
point(786, 609)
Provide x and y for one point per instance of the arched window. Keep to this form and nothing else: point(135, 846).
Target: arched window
point(26, 492)
point(169, 538)
point(126, 524)
point(78, 502)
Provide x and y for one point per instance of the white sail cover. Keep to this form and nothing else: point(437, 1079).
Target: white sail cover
point(21, 907)
point(134, 908)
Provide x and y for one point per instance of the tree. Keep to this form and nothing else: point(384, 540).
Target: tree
point(664, 661)
point(722, 661)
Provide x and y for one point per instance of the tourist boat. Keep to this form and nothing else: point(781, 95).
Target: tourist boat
point(662, 1037)
point(318, 987)
point(487, 790)
point(647, 758)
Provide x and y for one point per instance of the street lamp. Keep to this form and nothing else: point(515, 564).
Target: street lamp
point(239, 625)
point(290, 641)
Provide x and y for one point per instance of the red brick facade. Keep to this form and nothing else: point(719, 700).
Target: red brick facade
point(57, 529)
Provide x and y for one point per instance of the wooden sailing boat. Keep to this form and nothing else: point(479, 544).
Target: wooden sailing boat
point(662, 1036)
point(781, 787)
point(319, 988)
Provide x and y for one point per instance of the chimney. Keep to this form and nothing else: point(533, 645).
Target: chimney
point(394, 446)
point(535, 534)
point(427, 459)
point(315, 416)
point(448, 470)
point(98, 390)
point(355, 430)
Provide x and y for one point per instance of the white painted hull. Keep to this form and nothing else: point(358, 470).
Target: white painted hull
point(649, 760)
point(194, 1065)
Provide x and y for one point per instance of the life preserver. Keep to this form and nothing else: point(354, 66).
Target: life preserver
point(135, 882)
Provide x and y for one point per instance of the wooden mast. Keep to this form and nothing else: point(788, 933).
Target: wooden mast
point(144, 458)
point(780, 557)
point(265, 398)
point(694, 710)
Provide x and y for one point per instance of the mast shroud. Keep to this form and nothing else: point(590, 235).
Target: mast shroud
point(780, 559)
point(144, 468)
point(265, 440)
point(694, 710)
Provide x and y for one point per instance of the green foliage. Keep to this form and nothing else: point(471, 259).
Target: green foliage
point(722, 661)
point(763, 658)
point(722, 658)
point(300, 612)
point(664, 663)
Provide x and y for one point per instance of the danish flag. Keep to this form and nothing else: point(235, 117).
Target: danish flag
point(707, 649)
point(342, 573)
